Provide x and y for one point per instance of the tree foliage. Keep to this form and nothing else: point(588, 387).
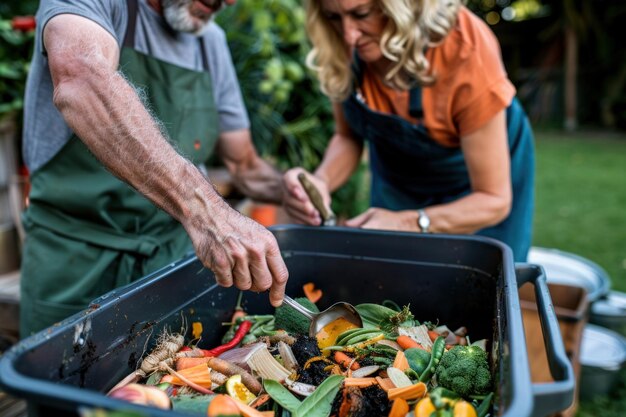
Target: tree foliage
point(291, 119)
point(533, 46)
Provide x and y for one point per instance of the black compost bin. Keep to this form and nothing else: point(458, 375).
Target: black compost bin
point(457, 280)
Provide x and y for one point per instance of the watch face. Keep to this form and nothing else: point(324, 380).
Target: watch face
point(423, 221)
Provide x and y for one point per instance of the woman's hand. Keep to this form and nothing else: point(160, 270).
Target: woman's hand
point(378, 218)
point(297, 202)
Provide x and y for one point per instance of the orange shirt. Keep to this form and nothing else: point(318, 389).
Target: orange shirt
point(471, 85)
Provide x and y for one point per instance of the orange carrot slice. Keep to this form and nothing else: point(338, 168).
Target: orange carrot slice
point(359, 382)
point(400, 361)
point(311, 293)
point(411, 392)
point(346, 361)
point(385, 383)
point(400, 408)
point(184, 363)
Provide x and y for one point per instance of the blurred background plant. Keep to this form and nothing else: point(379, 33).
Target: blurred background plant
point(564, 57)
point(16, 47)
point(291, 119)
point(269, 44)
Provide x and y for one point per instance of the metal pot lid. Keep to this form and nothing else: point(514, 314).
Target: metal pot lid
point(569, 269)
point(602, 348)
point(613, 305)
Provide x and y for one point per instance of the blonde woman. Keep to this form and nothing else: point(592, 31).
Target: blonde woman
point(423, 84)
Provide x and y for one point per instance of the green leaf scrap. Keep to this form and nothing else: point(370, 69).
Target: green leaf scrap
point(374, 314)
point(319, 403)
point(281, 395)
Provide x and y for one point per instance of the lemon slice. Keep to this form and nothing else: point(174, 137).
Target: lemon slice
point(424, 407)
point(237, 390)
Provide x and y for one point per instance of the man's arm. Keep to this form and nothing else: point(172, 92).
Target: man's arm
point(252, 175)
point(104, 110)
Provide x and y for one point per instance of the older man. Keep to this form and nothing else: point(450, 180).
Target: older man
point(124, 100)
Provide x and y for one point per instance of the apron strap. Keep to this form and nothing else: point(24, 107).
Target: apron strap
point(205, 60)
point(98, 235)
point(415, 102)
point(129, 37)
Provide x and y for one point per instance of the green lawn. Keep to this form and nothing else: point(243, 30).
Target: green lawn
point(581, 198)
point(581, 208)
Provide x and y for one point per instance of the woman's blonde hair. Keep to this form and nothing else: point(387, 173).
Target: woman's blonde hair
point(413, 25)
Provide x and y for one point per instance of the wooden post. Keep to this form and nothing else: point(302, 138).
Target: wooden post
point(9, 253)
point(571, 75)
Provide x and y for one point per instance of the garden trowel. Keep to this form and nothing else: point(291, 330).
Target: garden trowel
point(328, 217)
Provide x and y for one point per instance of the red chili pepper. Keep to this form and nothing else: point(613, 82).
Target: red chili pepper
point(242, 330)
point(23, 23)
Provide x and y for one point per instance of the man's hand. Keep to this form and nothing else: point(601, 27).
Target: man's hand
point(238, 250)
point(382, 219)
point(297, 202)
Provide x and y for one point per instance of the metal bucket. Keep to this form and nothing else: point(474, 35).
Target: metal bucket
point(610, 312)
point(569, 269)
point(602, 357)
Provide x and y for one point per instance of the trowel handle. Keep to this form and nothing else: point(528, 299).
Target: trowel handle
point(315, 196)
point(295, 305)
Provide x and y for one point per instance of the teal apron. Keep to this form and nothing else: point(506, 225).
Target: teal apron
point(87, 231)
point(410, 170)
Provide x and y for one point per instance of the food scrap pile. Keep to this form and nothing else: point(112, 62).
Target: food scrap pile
point(269, 366)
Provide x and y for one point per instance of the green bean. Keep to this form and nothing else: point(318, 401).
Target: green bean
point(380, 359)
point(484, 406)
point(349, 332)
point(332, 348)
point(362, 338)
point(256, 318)
point(439, 347)
point(352, 333)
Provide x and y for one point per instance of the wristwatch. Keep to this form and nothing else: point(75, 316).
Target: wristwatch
point(423, 221)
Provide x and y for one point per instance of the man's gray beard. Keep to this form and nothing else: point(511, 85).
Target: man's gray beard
point(178, 16)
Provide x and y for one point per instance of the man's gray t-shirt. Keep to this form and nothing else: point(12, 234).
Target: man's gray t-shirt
point(45, 131)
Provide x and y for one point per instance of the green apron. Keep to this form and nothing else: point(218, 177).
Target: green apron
point(87, 231)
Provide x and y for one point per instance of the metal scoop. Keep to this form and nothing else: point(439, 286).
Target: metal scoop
point(332, 313)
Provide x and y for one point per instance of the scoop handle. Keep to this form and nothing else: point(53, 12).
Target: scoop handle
point(299, 308)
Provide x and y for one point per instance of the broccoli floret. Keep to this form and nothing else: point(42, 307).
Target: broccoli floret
point(292, 321)
point(465, 370)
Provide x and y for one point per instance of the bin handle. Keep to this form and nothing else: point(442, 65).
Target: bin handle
point(558, 395)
